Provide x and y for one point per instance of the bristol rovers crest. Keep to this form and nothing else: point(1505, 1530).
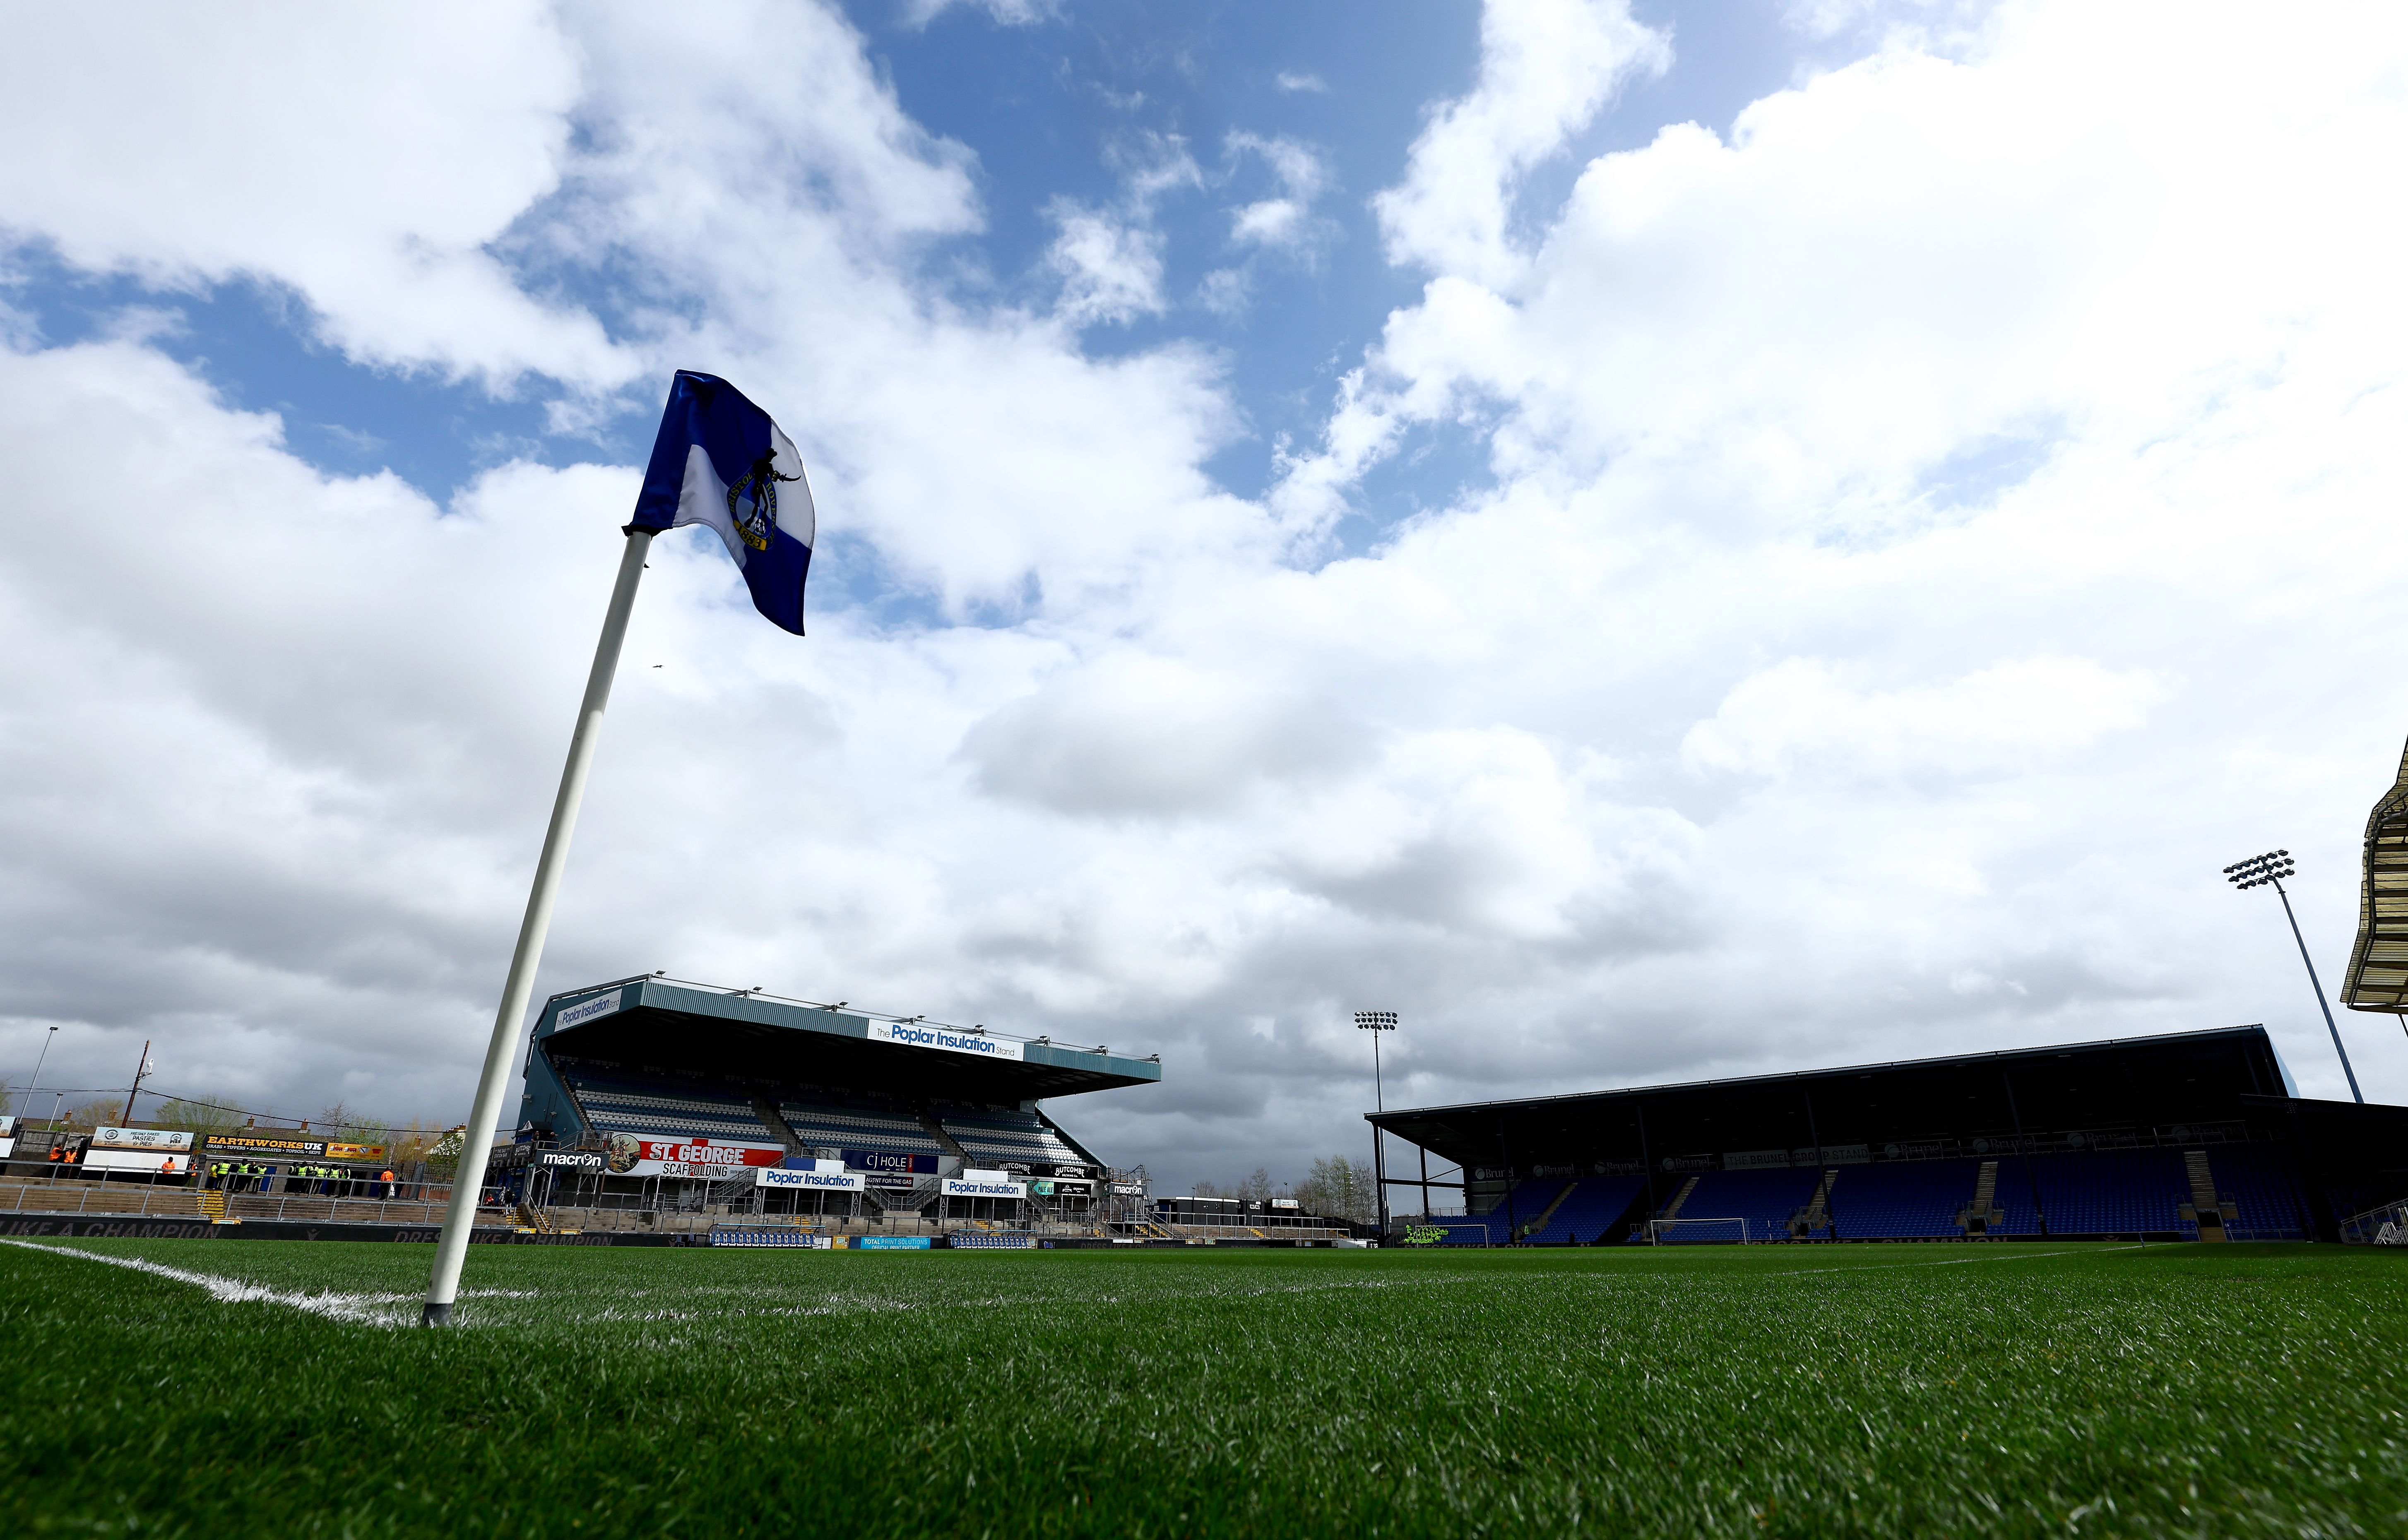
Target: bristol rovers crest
point(753, 502)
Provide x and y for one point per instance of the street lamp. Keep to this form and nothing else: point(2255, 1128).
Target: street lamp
point(1376, 1023)
point(2272, 868)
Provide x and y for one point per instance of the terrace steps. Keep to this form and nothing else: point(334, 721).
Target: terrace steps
point(952, 1147)
point(1672, 1211)
point(2205, 1209)
point(1977, 1217)
point(1532, 1227)
point(775, 1122)
point(1817, 1212)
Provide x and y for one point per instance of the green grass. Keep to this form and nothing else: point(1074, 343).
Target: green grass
point(1766, 1391)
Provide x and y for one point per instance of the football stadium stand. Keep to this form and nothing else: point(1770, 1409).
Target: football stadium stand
point(2189, 1136)
point(660, 1094)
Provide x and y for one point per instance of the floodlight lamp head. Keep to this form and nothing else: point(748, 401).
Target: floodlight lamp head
point(1375, 1021)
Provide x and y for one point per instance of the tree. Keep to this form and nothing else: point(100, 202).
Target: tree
point(1256, 1188)
point(200, 1118)
point(1339, 1189)
point(101, 1112)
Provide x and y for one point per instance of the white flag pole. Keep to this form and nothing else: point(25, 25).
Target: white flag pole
point(452, 1247)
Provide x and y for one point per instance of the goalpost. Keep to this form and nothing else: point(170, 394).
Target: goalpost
point(1658, 1228)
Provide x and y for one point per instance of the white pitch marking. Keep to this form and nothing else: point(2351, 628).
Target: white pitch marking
point(360, 1308)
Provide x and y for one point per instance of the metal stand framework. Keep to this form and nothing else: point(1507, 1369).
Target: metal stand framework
point(518, 990)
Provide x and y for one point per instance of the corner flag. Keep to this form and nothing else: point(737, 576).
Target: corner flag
point(719, 461)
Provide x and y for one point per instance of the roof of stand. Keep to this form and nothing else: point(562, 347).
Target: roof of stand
point(658, 1023)
point(2180, 1078)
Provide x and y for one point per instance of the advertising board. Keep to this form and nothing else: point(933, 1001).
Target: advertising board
point(888, 1159)
point(355, 1152)
point(889, 1243)
point(136, 1160)
point(959, 1187)
point(571, 1160)
point(913, 1034)
point(7, 1148)
point(140, 1138)
point(248, 1142)
point(586, 1011)
point(638, 1155)
point(810, 1181)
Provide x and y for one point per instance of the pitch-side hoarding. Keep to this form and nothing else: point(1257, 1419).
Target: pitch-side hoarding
point(153, 1161)
point(638, 1155)
point(993, 1186)
point(139, 1139)
point(811, 1182)
point(247, 1143)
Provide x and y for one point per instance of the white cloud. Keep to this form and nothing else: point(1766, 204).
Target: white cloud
point(1546, 67)
point(1929, 533)
point(1008, 13)
point(1295, 81)
point(1111, 271)
point(1284, 221)
point(372, 162)
point(2011, 717)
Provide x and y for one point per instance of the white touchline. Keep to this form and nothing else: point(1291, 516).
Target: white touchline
point(359, 1309)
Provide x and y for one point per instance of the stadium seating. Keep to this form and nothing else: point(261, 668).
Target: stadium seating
point(1593, 1204)
point(825, 1124)
point(2261, 1184)
point(1529, 1199)
point(1901, 1200)
point(1765, 1199)
point(2107, 1191)
point(617, 1106)
point(991, 1133)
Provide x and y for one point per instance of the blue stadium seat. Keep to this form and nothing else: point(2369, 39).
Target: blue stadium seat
point(1764, 1198)
point(1902, 1199)
point(1594, 1204)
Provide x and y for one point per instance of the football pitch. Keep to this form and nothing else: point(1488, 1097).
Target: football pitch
point(270, 1388)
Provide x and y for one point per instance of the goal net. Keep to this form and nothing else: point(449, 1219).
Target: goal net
point(1699, 1231)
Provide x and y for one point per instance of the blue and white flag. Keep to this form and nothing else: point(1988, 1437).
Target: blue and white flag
point(719, 461)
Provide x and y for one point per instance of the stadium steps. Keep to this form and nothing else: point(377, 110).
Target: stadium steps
point(775, 1122)
point(1672, 1211)
point(1977, 1217)
point(2205, 1209)
point(1533, 1226)
point(1816, 1214)
point(213, 1202)
point(952, 1147)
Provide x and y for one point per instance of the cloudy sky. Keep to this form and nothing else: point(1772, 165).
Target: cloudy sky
point(1655, 541)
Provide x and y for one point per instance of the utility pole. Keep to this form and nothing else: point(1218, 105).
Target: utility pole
point(39, 1059)
point(139, 1071)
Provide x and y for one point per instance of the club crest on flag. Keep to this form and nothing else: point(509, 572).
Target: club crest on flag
point(753, 502)
point(717, 462)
